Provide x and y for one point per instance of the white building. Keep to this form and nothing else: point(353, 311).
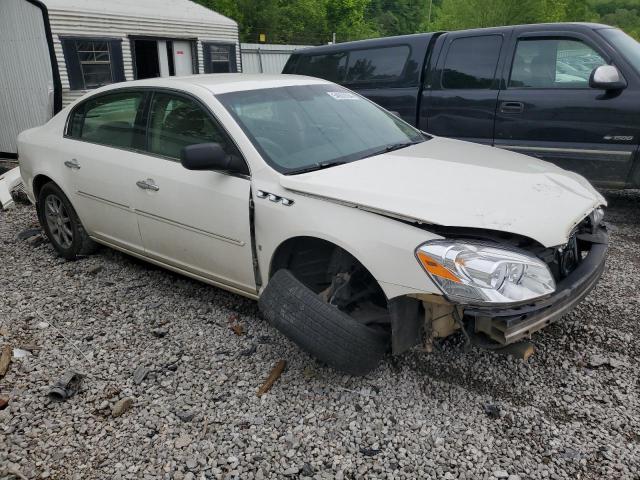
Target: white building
point(53, 51)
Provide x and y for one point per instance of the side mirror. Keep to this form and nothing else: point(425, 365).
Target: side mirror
point(205, 156)
point(607, 77)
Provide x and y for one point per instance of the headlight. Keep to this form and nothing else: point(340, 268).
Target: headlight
point(596, 217)
point(475, 272)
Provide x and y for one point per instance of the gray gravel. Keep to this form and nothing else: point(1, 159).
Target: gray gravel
point(191, 410)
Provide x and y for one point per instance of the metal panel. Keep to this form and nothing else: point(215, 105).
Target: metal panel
point(26, 96)
point(264, 58)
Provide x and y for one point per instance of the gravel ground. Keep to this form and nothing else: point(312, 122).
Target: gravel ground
point(570, 411)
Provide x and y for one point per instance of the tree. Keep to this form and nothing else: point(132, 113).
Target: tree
point(314, 21)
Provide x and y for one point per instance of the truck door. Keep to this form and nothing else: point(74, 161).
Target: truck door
point(460, 95)
point(549, 111)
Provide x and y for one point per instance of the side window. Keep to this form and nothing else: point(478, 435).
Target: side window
point(177, 122)
point(377, 64)
point(553, 63)
point(92, 62)
point(471, 62)
point(219, 58)
point(330, 67)
point(109, 120)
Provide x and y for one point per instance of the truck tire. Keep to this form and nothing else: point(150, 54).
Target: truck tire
point(320, 329)
point(55, 212)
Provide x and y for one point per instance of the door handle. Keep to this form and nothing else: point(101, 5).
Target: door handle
point(73, 164)
point(512, 107)
point(148, 184)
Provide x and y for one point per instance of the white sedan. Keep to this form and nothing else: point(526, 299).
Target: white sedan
point(358, 233)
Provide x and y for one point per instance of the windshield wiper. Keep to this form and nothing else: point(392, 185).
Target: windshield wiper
point(392, 147)
point(316, 166)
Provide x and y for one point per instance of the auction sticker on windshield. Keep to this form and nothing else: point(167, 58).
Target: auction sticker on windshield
point(343, 95)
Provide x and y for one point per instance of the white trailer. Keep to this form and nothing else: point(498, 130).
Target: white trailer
point(53, 51)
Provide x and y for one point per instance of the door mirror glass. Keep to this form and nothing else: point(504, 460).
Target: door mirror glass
point(607, 77)
point(205, 156)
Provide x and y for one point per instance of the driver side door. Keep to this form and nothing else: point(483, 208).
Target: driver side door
point(193, 221)
point(548, 110)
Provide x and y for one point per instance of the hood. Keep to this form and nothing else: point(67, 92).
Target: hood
point(460, 184)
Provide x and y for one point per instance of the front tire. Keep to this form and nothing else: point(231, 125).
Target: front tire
point(61, 224)
point(320, 329)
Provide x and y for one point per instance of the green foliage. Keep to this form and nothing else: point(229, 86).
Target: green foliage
point(315, 21)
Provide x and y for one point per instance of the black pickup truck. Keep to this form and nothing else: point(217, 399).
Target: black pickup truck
point(568, 93)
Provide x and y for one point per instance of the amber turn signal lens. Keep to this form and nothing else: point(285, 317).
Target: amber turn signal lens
point(435, 268)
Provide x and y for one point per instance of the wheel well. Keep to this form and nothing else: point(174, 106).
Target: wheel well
point(38, 182)
point(315, 262)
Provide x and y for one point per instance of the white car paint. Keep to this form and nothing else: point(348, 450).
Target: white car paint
point(198, 222)
point(454, 183)
point(9, 181)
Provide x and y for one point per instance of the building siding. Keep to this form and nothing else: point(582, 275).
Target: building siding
point(26, 96)
point(68, 23)
point(266, 58)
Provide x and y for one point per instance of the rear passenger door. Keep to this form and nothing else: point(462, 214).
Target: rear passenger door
point(549, 111)
point(103, 143)
point(460, 95)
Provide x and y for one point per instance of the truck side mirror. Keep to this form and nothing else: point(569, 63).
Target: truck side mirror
point(607, 77)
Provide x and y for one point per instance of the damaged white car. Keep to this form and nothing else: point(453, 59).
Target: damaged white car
point(358, 233)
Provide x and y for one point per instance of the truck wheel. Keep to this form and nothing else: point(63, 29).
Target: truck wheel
point(61, 223)
point(320, 329)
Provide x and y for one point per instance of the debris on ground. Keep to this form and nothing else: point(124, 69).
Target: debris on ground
point(238, 329)
point(4, 402)
point(66, 386)
point(95, 269)
point(492, 410)
point(159, 332)
point(21, 353)
point(5, 359)
point(121, 406)
point(28, 233)
point(273, 376)
point(597, 361)
point(139, 374)
point(9, 181)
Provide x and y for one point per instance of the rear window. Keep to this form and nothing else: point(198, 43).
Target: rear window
point(374, 65)
point(471, 62)
point(377, 64)
point(330, 67)
point(109, 120)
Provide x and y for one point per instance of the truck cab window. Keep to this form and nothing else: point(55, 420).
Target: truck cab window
point(471, 62)
point(553, 63)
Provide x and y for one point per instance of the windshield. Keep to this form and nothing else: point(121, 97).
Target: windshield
point(306, 127)
point(628, 47)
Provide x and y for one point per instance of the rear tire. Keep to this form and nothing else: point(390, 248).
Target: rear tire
point(320, 329)
point(60, 222)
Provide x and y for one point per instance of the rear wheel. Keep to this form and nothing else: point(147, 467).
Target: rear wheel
point(61, 223)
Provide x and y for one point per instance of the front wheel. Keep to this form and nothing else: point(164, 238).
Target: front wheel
point(321, 329)
point(61, 223)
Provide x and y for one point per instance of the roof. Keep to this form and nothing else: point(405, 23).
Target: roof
point(422, 38)
point(218, 83)
point(425, 37)
point(174, 10)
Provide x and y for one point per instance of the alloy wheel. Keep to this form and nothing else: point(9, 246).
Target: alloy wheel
point(58, 221)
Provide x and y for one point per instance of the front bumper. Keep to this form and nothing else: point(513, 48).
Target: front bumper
point(508, 325)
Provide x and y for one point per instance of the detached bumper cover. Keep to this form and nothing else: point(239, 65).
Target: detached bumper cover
point(508, 325)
